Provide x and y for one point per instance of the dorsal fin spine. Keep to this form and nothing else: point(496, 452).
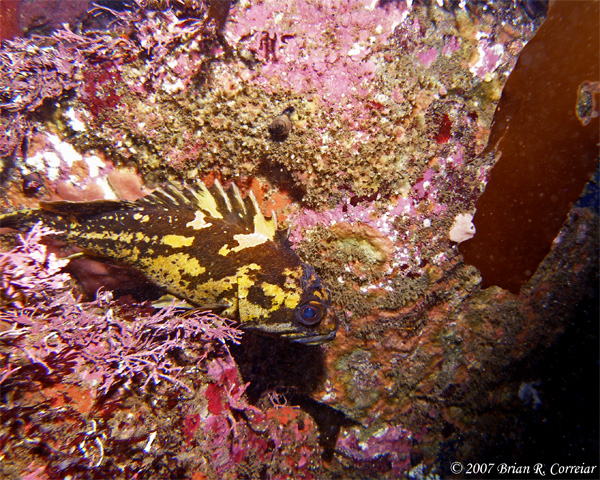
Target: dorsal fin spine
point(237, 197)
point(169, 196)
point(274, 220)
point(216, 203)
point(206, 201)
point(223, 195)
point(261, 224)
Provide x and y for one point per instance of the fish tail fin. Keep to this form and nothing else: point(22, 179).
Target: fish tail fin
point(24, 220)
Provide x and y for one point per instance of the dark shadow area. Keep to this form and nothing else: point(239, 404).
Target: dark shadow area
point(272, 364)
point(563, 428)
point(92, 275)
point(279, 175)
point(268, 363)
point(328, 420)
point(554, 421)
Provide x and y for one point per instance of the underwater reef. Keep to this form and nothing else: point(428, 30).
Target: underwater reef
point(435, 162)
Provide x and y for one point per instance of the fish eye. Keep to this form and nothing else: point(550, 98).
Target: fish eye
point(309, 314)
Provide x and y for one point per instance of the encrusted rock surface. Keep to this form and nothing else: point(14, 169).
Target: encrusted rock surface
point(392, 108)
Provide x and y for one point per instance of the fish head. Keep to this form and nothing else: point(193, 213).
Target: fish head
point(295, 306)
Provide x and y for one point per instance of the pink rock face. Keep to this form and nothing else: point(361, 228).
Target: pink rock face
point(127, 184)
point(451, 46)
point(490, 57)
point(392, 443)
point(427, 57)
point(311, 47)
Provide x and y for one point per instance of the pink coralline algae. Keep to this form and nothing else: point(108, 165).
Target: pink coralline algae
point(490, 57)
point(53, 70)
point(31, 74)
point(38, 302)
point(345, 212)
point(452, 45)
point(427, 57)
point(333, 54)
point(390, 444)
point(81, 354)
point(28, 272)
point(231, 431)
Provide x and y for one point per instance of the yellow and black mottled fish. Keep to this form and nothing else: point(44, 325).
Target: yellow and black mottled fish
point(207, 246)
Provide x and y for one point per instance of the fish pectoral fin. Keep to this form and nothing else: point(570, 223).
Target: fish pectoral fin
point(75, 256)
point(85, 209)
point(168, 299)
point(215, 308)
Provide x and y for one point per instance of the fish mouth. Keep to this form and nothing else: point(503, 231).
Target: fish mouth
point(311, 338)
point(316, 339)
point(298, 337)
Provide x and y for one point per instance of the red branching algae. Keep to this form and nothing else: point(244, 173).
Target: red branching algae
point(100, 89)
point(215, 401)
point(445, 129)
